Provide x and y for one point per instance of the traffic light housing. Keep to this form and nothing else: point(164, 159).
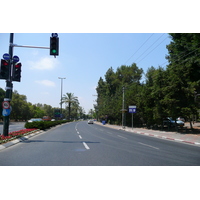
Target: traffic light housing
point(54, 46)
point(17, 72)
point(4, 71)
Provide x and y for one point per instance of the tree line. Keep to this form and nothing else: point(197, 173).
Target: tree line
point(22, 110)
point(170, 91)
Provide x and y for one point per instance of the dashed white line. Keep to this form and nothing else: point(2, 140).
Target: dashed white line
point(85, 145)
point(80, 137)
point(148, 145)
point(121, 136)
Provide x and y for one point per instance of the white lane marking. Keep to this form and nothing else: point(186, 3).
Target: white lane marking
point(85, 145)
point(148, 145)
point(80, 137)
point(77, 132)
point(121, 136)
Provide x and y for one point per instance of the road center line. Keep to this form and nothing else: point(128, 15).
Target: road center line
point(85, 145)
point(148, 145)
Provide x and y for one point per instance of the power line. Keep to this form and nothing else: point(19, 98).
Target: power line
point(140, 47)
point(181, 57)
point(152, 50)
point(149, 47)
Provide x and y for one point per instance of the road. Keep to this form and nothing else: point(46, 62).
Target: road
point(82, 144)
point(13, 126)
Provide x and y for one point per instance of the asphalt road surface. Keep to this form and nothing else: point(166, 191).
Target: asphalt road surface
point(82, 144)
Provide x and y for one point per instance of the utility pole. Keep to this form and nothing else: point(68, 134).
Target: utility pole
point(61, 94)
point(9, 87)
point(123, 109)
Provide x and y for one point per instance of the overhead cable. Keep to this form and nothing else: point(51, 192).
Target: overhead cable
point(140, 47)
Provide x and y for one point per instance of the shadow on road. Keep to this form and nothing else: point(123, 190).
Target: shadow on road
point(30, 141)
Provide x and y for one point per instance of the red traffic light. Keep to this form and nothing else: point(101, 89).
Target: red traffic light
point(17, 72)
point(4, 62)
point(4, 70)
point(18, 65)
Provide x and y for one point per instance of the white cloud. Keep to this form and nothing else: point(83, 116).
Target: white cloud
point(46, 63)
point(46, 83)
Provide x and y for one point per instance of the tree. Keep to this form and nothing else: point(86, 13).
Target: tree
point(109, 99)
point(184, 73)
point(69, 99)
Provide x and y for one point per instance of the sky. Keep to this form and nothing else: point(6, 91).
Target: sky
point(83, 59)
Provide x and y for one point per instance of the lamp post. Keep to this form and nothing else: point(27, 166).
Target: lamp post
point(61, 94)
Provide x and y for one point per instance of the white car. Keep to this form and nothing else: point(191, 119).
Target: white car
point(35, 120)
point(90, 122)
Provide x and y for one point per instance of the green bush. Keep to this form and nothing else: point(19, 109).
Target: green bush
point(42, 125)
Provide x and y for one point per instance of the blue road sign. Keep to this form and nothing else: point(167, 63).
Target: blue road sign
point(6, 56)
point(54, 34)
point(132, 110)
point(15, 59)
point(6, 112)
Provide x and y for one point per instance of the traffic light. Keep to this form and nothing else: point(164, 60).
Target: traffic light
point(54, 46)
point(4, 71)
point(17, 72)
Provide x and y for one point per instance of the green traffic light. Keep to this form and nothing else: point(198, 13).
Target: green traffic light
point(53, 51)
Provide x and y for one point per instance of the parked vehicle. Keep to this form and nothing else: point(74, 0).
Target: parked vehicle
point(180, 119)
point(46, 118)
point(35, 120)
point(169, 122)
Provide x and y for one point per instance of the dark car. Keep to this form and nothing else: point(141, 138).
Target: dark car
point(169, 122)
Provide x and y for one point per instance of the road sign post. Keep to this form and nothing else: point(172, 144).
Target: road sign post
point(132, 109)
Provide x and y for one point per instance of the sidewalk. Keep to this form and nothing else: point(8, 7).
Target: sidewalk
point(176, 136)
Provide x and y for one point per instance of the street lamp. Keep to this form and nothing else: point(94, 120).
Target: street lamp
point(61, 94)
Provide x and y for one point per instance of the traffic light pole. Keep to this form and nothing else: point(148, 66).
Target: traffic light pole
point(9, 87)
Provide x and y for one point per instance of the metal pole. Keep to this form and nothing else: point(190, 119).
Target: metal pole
point(61, 94)
point(9, 87)
point(123, 109)
point(26, 46)
point(132, 121)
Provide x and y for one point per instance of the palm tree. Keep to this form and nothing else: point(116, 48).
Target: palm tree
point(70, 99)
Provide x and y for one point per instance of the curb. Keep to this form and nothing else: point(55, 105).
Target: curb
point(164, 137)
point(13, 142)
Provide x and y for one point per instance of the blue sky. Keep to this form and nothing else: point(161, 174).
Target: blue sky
point(94, 36)
point(83, 59)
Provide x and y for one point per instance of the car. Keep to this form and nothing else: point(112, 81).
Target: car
point(180, 119)
point(90, 122)
point(169, 122)
point(35, 120)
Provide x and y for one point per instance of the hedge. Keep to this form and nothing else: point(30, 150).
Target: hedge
point(42, 125)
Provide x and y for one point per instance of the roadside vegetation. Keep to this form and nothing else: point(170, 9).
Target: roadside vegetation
point(167, 91)
point(22, 110)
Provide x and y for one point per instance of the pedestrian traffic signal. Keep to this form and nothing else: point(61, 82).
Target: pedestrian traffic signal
point(54, 46)
point(4, 71)
point(17, 72)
